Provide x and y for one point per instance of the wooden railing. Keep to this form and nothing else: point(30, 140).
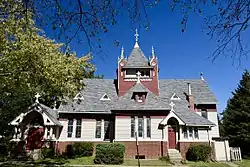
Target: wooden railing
point(235, 154)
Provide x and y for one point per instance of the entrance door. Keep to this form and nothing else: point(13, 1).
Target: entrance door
point(171, 138)
point(35, 138)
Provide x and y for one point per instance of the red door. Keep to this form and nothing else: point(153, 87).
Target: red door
point(171, 138)
point(35, 138)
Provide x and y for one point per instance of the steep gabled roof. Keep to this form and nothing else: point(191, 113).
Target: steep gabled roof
point(95, 88)
point(137, 59)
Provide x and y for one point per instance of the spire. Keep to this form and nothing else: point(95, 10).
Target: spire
point(136, 39)
point(153, 52)
point(122, 53)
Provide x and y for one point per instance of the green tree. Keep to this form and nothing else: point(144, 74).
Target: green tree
point(236, 117)
point(31, 63)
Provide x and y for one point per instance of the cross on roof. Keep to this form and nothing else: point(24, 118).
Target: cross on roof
point(172, 105)
point(138, 76)
point(37, 97)
point(136, 35)
point(136, 39)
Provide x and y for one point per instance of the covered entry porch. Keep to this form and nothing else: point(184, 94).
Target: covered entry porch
point(36, 128)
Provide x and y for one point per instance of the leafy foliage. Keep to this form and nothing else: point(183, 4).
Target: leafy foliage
point(30, 63)
point(109, 153)
point(164, 158)
point(236, 116)
point(199, 152)
point(83, 149)
point(48, 152)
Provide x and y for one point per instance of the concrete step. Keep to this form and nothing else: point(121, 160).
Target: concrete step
point(174, 155)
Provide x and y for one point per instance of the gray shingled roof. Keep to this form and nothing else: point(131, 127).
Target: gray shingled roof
point(52, 114)
point(95, 88)
point(137, 59)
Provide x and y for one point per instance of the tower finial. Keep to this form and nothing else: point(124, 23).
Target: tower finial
point(136, 39)
point(122, 53)
point(153, 52)
point(201, 75)
point(138, 76)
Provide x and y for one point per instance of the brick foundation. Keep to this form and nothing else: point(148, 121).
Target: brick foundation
point(183, 147)
point(150, 149)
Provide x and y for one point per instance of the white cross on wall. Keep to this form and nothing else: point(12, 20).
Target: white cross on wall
point(138, 76)
point(37, 97)
point(172, 105)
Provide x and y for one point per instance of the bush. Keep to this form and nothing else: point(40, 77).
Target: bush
point(70, 151)
point(83, 149)
point(48, 152)
point(109, 153)
point(200, 152)
point(164, 158)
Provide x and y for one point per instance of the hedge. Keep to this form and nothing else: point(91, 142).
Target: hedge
point(79, 149)
point(83, 149)
point(48, 152)
point(199, 152)
point(109, 153)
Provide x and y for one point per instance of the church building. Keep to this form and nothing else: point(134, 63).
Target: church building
point(162, 114)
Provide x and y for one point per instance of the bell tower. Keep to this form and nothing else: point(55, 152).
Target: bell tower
point(128, 69)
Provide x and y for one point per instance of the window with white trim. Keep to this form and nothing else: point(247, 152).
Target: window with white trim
point(70, 127)
point(98, 130)
point(196, 134)
point(185, 133)
point(140, 126)
point(105, 97)
point(78, 128)
point(148, 127)
point(132, 131)
point(175, 97)
point(190, 132)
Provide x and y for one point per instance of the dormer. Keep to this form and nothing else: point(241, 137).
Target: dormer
point(139, 97)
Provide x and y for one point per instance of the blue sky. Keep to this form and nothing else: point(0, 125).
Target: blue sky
point(180, 55)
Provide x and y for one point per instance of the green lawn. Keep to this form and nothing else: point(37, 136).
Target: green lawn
point(244, 163)
point(207, 164)
point(144, 162)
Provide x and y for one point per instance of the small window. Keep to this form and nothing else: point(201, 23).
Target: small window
point(48, 121)
point(78, 128)
point(78, 96)
point(140, 127)
point(184, 131)
point(105, 97)
point(175, 97)
point(148, 127)
point(70, 127)
point(196, 134)
point(132, 126)
point(190, 131)
point(204, 113)
point(98, 130)
point(140, 98)
point(106, 130)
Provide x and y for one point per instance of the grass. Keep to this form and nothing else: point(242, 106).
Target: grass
point(207, 164)
point(146, 162)
point(244, 163)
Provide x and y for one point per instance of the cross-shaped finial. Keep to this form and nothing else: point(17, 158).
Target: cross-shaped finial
point(136, 35)
point(138, 76)
point(172, 105)
point(37, 97)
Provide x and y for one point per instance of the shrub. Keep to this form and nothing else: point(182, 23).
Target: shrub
point(164, 158)
point(83, 149)
point(70, 151)
point(109, 153)
point(48, 152)
point(200, 152)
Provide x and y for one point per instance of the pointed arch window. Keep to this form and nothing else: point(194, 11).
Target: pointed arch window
point(175, 97)
point(105, 97)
